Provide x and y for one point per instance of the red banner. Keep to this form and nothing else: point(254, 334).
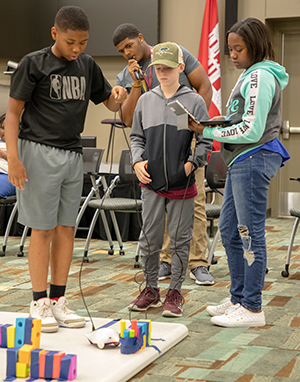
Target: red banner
point(209, 56)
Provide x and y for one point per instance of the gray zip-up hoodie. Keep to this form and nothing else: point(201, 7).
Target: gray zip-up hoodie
point(254, 108)
point(155, 137)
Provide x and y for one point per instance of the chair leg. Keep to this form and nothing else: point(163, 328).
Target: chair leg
point(285, 273)
point(89, 236)
point(117, 231)
point(137, 255)
point(107, 232)
point(115, 224)
point(25, 231)
point(82, 210)
point(212, 247)
point(8, 227)
point(103, 216)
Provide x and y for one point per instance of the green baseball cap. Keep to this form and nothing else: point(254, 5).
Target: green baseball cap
point(167, 53)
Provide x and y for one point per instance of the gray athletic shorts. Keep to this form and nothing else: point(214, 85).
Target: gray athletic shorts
point(52, 194)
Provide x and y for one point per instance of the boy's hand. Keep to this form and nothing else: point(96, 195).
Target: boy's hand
point(192, 125)
point(141, 173)
point(188, 168)
point(17, 173)
point(119, 93)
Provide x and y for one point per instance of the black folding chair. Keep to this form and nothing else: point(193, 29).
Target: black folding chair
point(111, 204)
point(12, 201)
point(215, 178)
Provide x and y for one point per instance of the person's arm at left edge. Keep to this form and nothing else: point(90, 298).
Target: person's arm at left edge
point(200, 82)
point(117, 96)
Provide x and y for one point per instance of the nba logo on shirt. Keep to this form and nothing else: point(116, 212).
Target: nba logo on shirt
point(55, 90)
point(67, 87)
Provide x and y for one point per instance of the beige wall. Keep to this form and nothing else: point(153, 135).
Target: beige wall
point(181, 22)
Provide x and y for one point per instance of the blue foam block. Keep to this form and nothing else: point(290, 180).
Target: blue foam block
point(49, 364)
point(65, 367)
point(28, 328)
point(34, 363)
point(4, 335)
point(145, 328)
point(11, 360)
point(20, 331)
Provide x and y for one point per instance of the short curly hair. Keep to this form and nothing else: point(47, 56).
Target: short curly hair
point(73, 18)
point(123, 31)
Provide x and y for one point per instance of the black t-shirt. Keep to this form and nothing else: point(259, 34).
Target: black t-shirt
point(56, 93)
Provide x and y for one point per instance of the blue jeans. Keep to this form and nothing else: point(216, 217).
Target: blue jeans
point(242, 225)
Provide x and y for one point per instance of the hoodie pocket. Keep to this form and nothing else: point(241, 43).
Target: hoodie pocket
point(177, 177)
point(156, 171)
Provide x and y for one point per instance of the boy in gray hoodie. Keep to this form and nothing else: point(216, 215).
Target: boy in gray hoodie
point(164, 164)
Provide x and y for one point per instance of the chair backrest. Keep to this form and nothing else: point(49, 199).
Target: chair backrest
point(216, 171)
point(92, 159)
point(126, 172)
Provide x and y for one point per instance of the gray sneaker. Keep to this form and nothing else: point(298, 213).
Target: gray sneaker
point(164, 271)
point(202, 276)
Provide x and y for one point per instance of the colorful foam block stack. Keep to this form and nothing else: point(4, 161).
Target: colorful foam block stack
point(24, 356)
point(136, 336)
point(27, 331)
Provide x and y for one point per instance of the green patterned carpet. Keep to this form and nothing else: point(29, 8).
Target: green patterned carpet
point(209, 353)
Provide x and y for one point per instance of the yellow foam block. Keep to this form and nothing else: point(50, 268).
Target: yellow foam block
point(22, 370)
point(122, 327)
point(24, 354)
point(10, 332)
point(36, 333)
point(131, 333)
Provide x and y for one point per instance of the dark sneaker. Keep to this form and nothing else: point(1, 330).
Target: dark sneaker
point(164, 271)
point(201, 276)
point(173, 304)
point(148, 297)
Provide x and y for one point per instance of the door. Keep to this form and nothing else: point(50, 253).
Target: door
point(285, 193)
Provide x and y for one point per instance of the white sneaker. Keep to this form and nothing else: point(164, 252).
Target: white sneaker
point(218, 310)
point(41, 309)
point(65, 316)
point(239, 317)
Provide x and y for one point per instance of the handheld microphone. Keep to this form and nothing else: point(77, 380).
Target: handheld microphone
point(137, 75)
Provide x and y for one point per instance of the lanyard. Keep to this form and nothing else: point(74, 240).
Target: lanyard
point(147, 80)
